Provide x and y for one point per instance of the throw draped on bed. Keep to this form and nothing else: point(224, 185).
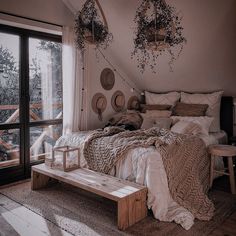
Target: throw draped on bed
point(185, 159)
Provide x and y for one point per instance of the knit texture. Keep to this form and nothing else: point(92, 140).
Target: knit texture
point(185, 159)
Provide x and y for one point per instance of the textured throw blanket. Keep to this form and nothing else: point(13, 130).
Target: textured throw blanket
point(184, 157)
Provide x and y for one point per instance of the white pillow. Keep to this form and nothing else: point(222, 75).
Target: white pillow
point(186, 127)
point(162, 99)
point(156, 122)
point(203, 121)
point(213, 100)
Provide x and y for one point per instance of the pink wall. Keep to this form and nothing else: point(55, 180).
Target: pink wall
point(53, 11)
point(208, 61)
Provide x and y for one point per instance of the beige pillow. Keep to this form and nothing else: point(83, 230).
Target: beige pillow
point(170, 98)
point(184, 109)
point(203, 121)
point(186, 127)
point(156, 122)
point(145, 107)
point(157, 113)
point(213, 100)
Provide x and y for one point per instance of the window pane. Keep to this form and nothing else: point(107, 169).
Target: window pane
point(9, 78)
point(42, 140)
point(45, 80)
point(9, 147)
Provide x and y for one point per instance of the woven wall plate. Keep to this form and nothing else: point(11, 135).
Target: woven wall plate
point(99, 103)
point(118, 101)
point(133, 103)
point(107, 79)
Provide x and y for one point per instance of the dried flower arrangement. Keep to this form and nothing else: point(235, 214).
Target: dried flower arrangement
point(89, 27)
point(158, 30)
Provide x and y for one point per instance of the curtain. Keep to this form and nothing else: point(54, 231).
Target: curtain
point(72, 64)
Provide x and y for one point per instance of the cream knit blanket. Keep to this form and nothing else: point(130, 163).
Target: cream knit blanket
point(185, 159)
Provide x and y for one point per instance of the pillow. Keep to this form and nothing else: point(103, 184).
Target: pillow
point(162, 99)
point(186, 127)
point(156, 122)
point(157, 113)
point(145, 107)
point(213, 101)
point(203, 121)
point(184, 109)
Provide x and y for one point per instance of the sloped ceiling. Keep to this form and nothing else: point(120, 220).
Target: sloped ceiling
point(208, 60)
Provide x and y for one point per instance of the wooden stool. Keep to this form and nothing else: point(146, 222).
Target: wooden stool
point(223, 151)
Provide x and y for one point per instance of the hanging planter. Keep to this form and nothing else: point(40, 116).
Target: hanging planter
point(90, 28)
point(158, 30)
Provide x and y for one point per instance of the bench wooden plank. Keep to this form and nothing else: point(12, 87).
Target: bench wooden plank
point(103, 185)
point(131, 197)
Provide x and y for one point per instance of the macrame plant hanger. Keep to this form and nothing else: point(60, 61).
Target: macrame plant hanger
point(90, 37)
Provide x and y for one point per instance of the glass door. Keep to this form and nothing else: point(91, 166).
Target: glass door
point(10, 108)
point(30, 99)
point(45, 93)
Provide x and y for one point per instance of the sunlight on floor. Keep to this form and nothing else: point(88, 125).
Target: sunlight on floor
point(28, 223)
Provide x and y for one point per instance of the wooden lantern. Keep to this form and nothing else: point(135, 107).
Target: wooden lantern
point(65, 158)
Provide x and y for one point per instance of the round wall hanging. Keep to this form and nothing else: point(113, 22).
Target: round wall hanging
point(118, 101)
point(99, 104)
point(107, 79)
point(133, 103)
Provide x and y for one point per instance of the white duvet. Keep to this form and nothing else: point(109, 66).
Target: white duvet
point(145, 166)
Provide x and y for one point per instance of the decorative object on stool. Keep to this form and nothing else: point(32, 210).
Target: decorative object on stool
point(118, 101)
point(107, 79)
point(65, 158)
point(89, 28)
point(229, 152)
point(158, 30)
point(99, 104)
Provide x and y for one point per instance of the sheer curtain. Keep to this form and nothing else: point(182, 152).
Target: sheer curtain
point(72, 81)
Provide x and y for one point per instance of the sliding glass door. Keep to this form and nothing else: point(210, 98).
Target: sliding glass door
point(30, 99)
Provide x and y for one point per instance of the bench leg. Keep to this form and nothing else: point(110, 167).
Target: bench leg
point(39, 180)
point(132, 209)
point(231, 175)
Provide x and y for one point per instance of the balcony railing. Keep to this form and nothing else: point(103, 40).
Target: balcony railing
point(11, 150)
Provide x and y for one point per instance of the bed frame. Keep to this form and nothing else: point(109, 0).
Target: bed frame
point(227, 115)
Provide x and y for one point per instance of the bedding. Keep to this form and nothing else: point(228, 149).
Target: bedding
point(213, 101)
point(145, 107)
point(157, 113)
point(144, 166)
point(184, 109)
point(204, 122)
point(187, 127)
point(130, 120)
point(170, 98)
point(149, 122)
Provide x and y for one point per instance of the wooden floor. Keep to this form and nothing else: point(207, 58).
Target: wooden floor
point(16, 219)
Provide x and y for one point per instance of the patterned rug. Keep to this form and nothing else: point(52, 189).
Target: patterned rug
point(82, 213)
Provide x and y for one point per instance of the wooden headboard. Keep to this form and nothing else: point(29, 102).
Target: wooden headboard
point(226, 115)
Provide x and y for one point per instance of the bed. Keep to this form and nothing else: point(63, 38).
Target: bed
point(144, 165)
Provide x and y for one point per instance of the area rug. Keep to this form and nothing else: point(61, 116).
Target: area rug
point(82, 213)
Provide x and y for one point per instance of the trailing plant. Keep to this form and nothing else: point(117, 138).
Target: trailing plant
point(89, 27)
point(158, 30)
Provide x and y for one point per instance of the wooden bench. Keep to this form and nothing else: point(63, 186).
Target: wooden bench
point(130, 197)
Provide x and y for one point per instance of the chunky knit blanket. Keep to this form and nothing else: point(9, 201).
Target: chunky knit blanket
point(184, 157)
